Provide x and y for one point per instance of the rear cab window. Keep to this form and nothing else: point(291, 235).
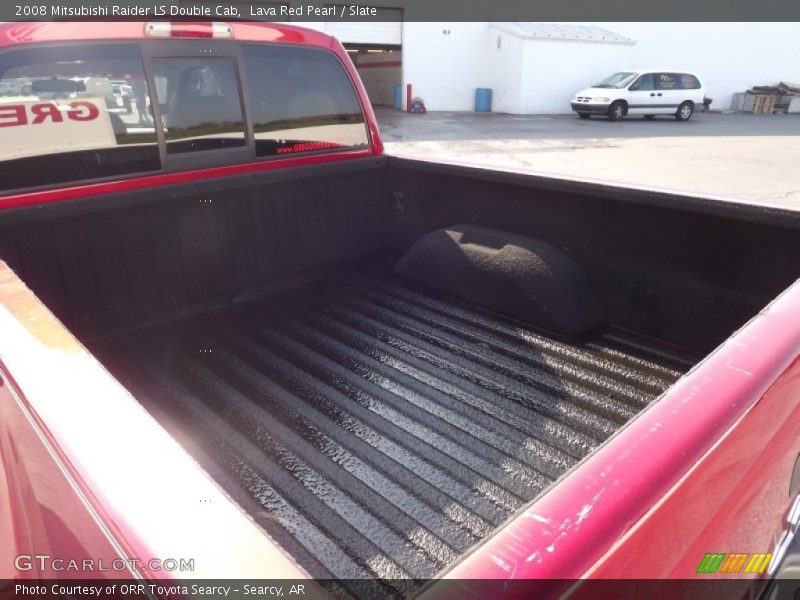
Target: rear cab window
point(98, 111)
point(70, 113)
point(200, 103)
point(302, 100)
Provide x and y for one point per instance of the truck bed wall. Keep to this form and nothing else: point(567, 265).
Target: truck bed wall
point(110, 262)
point(663, 265)
point(685, 270)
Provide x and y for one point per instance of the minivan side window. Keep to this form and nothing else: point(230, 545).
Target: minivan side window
point(301, 101)
point(668, 81)
point(646, 82)
point(199, 103)
point(688, 82)
point(74, 112)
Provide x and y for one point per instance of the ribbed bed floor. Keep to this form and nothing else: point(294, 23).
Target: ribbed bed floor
point(376, 429)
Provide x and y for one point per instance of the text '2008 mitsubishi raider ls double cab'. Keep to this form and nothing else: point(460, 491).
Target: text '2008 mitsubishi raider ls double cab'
point(233, 331)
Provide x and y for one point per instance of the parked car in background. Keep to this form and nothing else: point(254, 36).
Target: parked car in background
point(642, 92)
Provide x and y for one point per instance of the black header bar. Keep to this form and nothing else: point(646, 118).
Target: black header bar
point(405, 10)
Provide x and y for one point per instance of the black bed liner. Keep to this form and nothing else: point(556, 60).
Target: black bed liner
point(378, 429)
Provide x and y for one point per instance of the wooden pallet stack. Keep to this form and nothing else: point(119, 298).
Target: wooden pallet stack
point(763, 104)
point(767, 99)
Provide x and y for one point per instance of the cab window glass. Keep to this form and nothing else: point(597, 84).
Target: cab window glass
point(302, 100)
point(87, 105)
point(200, 104)
point(646, 82)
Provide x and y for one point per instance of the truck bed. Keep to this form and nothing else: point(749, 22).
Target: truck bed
point(376, 428)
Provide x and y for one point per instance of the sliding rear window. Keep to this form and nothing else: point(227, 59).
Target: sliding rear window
point(74, 113)
point(302, 100)
point(200, 103)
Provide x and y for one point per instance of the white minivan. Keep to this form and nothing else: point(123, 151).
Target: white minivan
point(647, 92)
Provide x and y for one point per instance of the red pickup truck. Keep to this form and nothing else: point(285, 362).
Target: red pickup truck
point(239, 341)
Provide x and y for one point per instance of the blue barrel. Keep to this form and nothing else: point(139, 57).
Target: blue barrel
point(483, 100)
point(398, 97)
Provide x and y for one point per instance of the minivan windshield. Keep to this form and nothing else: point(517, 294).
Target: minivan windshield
point(617, 80)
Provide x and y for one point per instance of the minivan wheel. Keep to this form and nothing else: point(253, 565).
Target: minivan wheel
point(616, 111)
point(584, 115)
point(685, 111)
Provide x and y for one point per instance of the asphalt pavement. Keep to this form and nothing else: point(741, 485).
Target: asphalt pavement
point(755, 158)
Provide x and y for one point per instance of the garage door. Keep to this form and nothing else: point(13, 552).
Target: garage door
point(387, 29)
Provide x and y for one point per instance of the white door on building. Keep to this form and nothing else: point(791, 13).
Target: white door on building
point(386, 30)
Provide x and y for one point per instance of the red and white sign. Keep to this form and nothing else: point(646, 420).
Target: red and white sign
point(34, 128)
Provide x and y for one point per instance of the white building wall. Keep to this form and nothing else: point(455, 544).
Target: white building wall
point(445, 68)
point(504, 61)
point(553, 70)
point(446, 62)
